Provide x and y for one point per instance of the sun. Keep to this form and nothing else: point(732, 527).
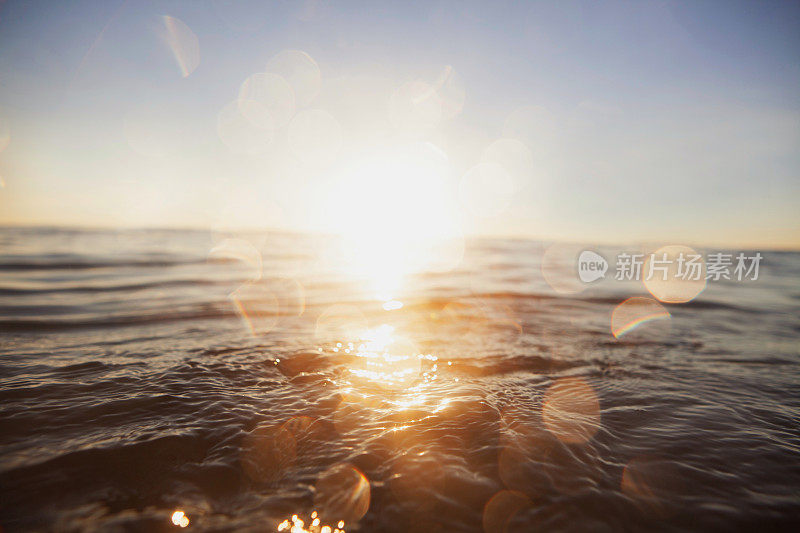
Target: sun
point(397, 214)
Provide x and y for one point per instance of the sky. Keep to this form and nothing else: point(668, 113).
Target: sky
point(610, 122)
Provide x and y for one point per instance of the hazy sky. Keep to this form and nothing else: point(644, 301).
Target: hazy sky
point(622, 121)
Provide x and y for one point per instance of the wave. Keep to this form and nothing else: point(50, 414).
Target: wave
point(130, 387)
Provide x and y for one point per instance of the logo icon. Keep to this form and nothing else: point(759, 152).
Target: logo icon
point(591, 266)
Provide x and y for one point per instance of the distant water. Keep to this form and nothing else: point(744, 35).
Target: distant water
point(142, 375)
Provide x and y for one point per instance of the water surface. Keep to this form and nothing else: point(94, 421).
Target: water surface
point(141, 374)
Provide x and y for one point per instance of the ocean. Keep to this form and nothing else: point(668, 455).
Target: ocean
point(152, 380)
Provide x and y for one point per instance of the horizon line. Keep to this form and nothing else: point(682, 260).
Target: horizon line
point(487, 236)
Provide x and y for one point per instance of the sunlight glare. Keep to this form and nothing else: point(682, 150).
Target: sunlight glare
point(394, 212)
point(180, 519)
point(415, 108)
point(386, 360)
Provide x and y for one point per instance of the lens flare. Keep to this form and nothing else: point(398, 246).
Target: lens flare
point(571, 410)
point(650, 482)
point(300, 71)
point(184, 44)
point(536, 462)
point(343, 494)
point(264, 96)
point(315, 136)
point(239, 250)
point(263, 304)
point(635, 312)
point(269, 450)
point(487, 189)
point(415, 107)
point(560, 268)
point(359, 103)
point(501, 509)
point(514, 157)
point(450, 90)
point(251, 134)
point(674, 274)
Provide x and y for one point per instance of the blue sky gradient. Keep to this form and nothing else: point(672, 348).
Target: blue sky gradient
point(654, 121)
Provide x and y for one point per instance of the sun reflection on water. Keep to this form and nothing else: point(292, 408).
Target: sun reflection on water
point(180, 519)
point(395, 214)
point(385, 360)
point(296, 524)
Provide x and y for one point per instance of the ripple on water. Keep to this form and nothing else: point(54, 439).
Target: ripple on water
point(147, 394)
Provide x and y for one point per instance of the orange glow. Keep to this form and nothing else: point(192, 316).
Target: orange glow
point(385, 360)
